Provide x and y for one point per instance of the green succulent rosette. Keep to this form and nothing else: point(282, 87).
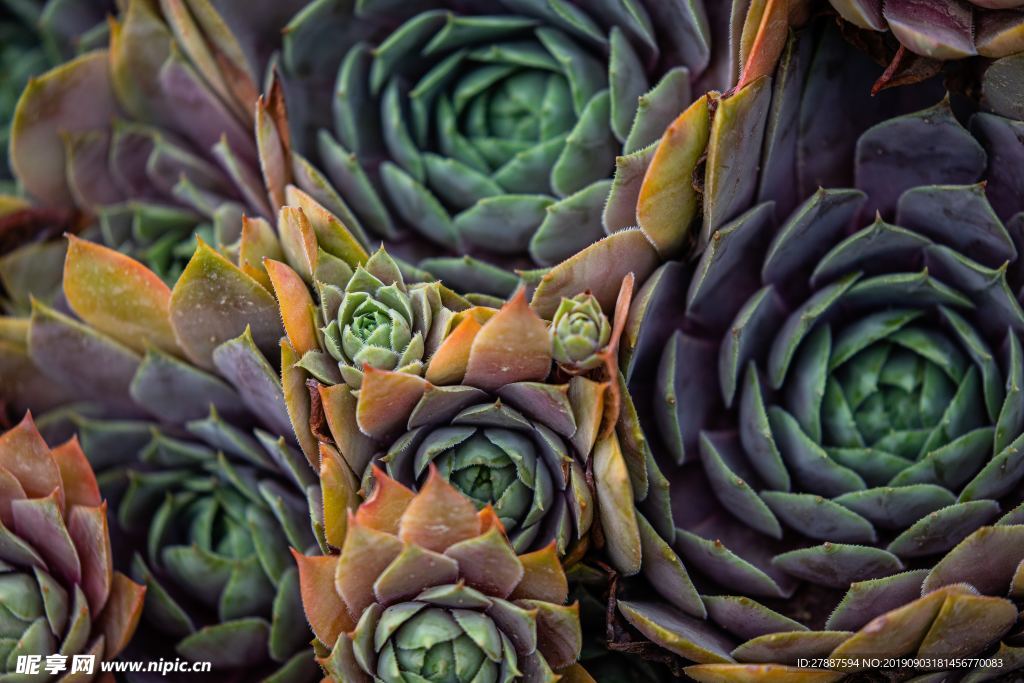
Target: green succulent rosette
point(493, 416)
point(378, 321)
point(579, 331)
point(493, 443)
point(837, 397)
point(492, 129)
point(206, 520)
point(425, 588)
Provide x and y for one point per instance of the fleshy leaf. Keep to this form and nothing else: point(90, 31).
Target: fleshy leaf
point(118, 296)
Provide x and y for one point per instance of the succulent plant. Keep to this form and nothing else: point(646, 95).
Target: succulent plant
point(493, 420)
point(837, 397)
point(162, 134)
point(942, 29)
point(60, 592)
point(491, 130)
point(210, 516)
point(428, 589)
point(955, 610)
point(375, 320)
point(579, 332)
point(184, 416)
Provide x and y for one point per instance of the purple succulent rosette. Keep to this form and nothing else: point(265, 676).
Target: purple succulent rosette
point(837, 408)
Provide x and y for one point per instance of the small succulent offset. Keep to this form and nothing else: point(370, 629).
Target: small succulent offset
point(426, 588)
point(491, 128)
point(59, 591)
point(838, 401)
point(579, 332)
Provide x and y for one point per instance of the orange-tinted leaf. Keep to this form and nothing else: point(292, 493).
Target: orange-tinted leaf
point(386, 400)
point(325, 611)
point(383, 509)
point(121, 615)
point(118, 296)
point(765, 31)
point(598, 268)
point(298, 241)
point(24, 453)
point(439, 516)
point(272, 152)
point(340, 493)
point(513, 346)
point(668, 202)
point(87, 527)
point(332, 235)
point(297, 402)
point(544, 579)
point(364, 557)
point(489, 520)
point(297, 307)
point(80, 487)
point(448, 364)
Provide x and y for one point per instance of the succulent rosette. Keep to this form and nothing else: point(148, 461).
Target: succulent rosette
point(579, 332)
point(60, 593)
point(376, 320)
point(942, 29)
point(837, 399)
point(181, 408)
point(426, 588)
point(162, 133)
point(492, 129)
point(211, 515)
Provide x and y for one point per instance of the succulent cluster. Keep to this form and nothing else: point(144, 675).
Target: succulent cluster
point(517, 341)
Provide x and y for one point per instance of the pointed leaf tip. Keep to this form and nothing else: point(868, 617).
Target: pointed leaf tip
point(438, 516)
point(383, 509)
point(513, 346)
